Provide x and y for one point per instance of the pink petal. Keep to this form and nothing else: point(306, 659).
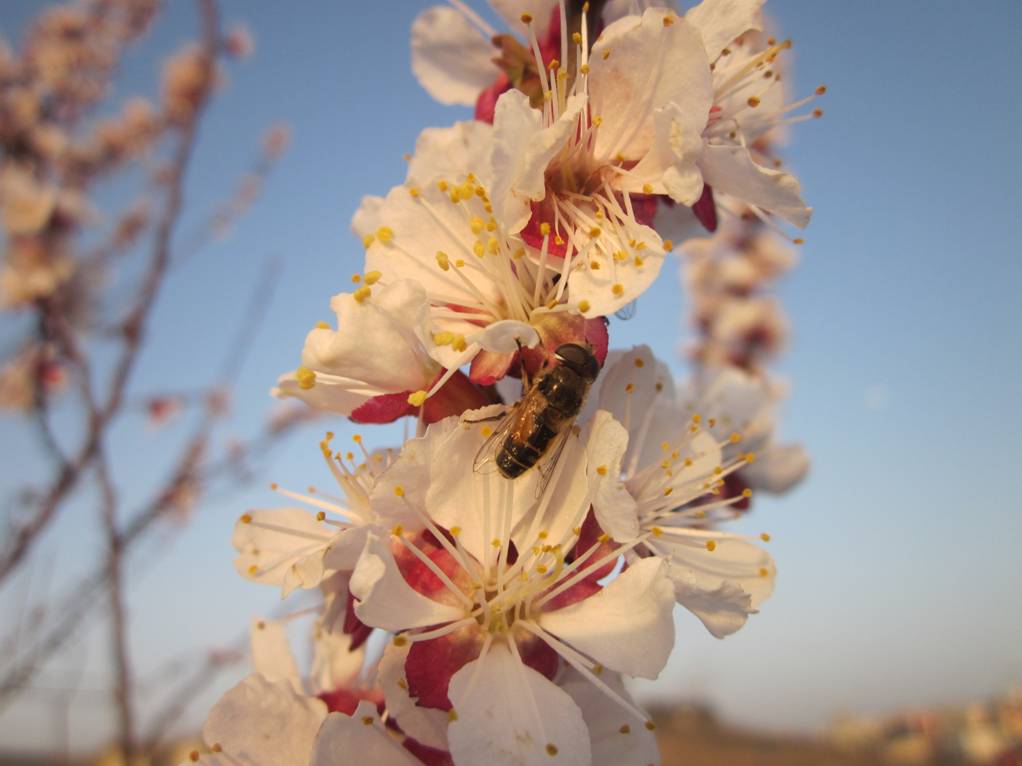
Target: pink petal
point(431, 664)
point(455, 397)
point(385, 408)
point(487, 101)
point(428, 755)
point(705, 209)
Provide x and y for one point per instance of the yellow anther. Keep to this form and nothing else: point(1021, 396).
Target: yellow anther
point(629, 388)
point(526, 18)
point(443, 338)
point(798, 241)
point(647, 188)
point(541, 569)
point(414, 191)
point(650, 726)
point(459, 343)
point(442, 185)
point(764, 572)
point(576, 531)
point(668, 490)
point(491, 225)
point(733, 438)
point(544, 229)
point(193, 756)
point(306, 378)
point(455, 531)
point(752, 101)
point(486, 431)
point(416, 398)
point(657, 532)
point(442, 260)
point(820, 90)
point(668, 245)
point(478, 248)
point(361, 294)
point(551, 750)
point(216, 748)
point(356, 278)
point(253, 569)
point(625, 729)
point(583, 305)
point(620, 255)
point(367, 720)
point(372, 277)
point(246, 518)
point(639, 362)
point(553, 65)
point(357, 438)
point(746, 493)
point(492, 246)
point(495, 542)
point(718, 470)
point(697, 418)
point(606, 54)
point(602, 470)
point(595, 232)
point(399, 491)
point(322, 326)
point(398, 530)
point(400, 641)
point(711, 545)
point(576, 37)
point(597, 669)
point(711, 422)
point(466, 191)
point(665, 446)
point(385, 234)
point(452, 715)
point(668, 20)
point(765, 537)
point(320, 516)
point(618, 289)
point(603, 538)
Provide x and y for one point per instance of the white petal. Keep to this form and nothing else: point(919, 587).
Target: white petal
point(450, 58)
point(511, 11)
point(522, 150)
point(271, 653)
point(334, 664)
point(263, 723)
point(627, 626)
point(731, 169)
point(449, 153)
point(720, 21)
point(510, 715)
point(671, 164)
point(506, 336)
point(360, 738)
point(386, 600)
point(615, 284)
point(778, 468)
point(614, 506)
point(650, 64)
point(617, 737)
point(282, 546)
point(426, 725)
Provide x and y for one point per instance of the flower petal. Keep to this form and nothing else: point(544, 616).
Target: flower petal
point(639, 64)
point(264, 723)
point(731, 169)
point(282, 546)
point(778, 468)
point(450, 152)
point(627, 626)
point(427, 725)
point(510, 715)
point(720, 21)
point(386, 600)
point(613, 505)
point(450, 58)
point(342, 737)
point(271, 653)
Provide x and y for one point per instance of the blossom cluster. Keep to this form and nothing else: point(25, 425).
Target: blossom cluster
point(488, 588)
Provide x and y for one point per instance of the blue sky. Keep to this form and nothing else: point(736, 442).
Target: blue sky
point(898, 558)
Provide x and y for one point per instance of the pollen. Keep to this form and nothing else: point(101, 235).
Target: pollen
point(765, 537)
point(361, 294)
point(385, 234)
point(583, 306)
point(711, 545)
point(551, 750)
point(602, 470)
point(416, 398)
point(618, 289)
point(246, 518)
point(372, 277)
point(306, 378)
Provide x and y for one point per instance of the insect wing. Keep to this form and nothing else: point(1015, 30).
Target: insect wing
point(627, 311)
point(486, 456)
point(547, 464)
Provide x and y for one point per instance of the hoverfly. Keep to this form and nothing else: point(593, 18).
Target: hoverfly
point(543, 415)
